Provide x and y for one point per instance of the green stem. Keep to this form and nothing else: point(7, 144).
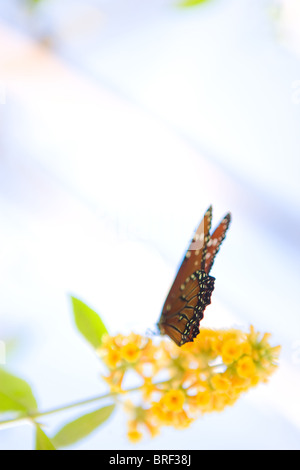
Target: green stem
point(34, 416)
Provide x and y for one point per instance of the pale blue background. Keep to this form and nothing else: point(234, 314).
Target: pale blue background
point(104, 174)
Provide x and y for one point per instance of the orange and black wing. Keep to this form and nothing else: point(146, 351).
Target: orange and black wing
point(214, 242)
point(194, 257)
point(180, 320)
point(192, 288)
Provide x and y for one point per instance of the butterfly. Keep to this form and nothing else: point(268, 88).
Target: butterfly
point(192, 288)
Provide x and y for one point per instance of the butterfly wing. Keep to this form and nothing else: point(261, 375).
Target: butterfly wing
point(193, 259)
point(192, 288)
point(214, 243)
point(181, 319)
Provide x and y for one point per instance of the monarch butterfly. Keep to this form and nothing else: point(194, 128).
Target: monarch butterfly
point(192, 288)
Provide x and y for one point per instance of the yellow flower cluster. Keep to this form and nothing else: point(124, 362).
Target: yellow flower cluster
point(177, 384)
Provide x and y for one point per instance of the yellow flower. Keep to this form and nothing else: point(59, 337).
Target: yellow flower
point(175, 384)
point(253, 335)
point(207, 342)
point(275, 351)
point(203, 399)
point(265, 339)
point(141, 418)
point(220, 382)
point(230, 351)
point(181, 420)
point(255, 355)
point(255, 379)
point(152, 426)
point(114, 380)
point(133, 434)
point(112, 358)
point(130, 352)
point(246, 348)
point(173, 400)
point(220, 400)
point(159, 413)
point(246, 367)
point(240, 384)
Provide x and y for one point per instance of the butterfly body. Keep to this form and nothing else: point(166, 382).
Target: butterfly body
point(192, 288)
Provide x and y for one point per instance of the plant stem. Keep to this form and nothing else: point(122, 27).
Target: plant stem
point(34, 416)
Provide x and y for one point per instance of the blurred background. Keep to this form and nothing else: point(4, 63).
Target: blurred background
point(121, 121)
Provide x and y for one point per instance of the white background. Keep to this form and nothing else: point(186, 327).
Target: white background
point(122, 121)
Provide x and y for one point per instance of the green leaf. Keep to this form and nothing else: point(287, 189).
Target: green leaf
point(192, 3)
point(82, 427)
point(15, 394)
point(33, 2)
point(42, 441)
point(88, 322)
